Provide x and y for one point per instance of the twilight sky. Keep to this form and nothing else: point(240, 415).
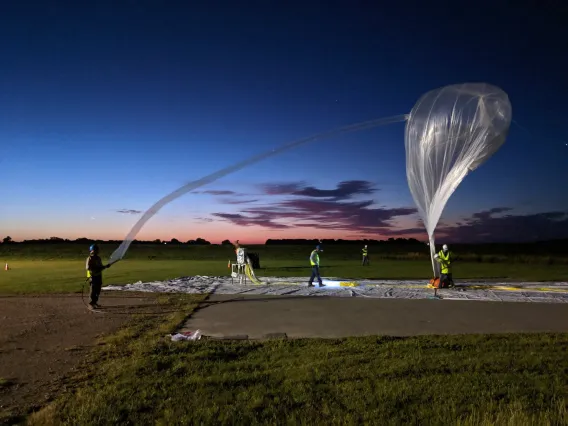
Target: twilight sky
point(106, 106)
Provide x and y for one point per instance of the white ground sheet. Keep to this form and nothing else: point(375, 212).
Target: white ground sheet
point(549, 292)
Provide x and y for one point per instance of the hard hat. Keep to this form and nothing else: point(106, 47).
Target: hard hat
point(93, 247)
point(365, 245)
point(445, 247)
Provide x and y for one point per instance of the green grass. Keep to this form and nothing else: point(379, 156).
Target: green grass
point(62, 276)
point(55, 268)
point(295, 253)
point(139, 377)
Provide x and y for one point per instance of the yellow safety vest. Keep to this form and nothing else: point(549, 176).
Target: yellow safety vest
point(314, 258)
point(445, 263)
point(97, 262)
point(365, 252)
point(89, 275)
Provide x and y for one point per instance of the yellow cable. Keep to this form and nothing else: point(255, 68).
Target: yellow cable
point(250, 273)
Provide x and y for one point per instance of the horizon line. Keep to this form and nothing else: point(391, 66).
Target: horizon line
point(204, 241)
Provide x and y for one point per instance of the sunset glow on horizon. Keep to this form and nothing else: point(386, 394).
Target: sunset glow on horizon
point(101, 117)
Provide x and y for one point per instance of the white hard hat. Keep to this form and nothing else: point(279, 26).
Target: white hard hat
point(445, 247)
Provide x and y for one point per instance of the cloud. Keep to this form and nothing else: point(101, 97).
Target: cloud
point(129, 211)
point(484, 215)
point(405, 233)
point(311, 207)
point(493, 226)
point(281, 188)
point(257, 220)
point(216, 192)
point(320, 214)
point(344, 190)
point(238, 201)
point(305, 206)
point(416, 231)
point(203, 219)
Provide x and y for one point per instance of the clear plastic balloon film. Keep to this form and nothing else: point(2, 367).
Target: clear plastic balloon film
point(450, 132)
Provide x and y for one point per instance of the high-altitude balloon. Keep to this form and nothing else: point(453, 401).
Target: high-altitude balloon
point(450, 132)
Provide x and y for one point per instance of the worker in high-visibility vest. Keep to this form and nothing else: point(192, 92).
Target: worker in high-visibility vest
point(445, 258)
point(315, 262)
point(365, 255)
point(95, 269)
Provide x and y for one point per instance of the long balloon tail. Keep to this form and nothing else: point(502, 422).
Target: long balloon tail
point(119, 253)
point(432, 253)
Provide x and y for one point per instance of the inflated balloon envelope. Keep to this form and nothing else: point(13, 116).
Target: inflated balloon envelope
point(450, 132)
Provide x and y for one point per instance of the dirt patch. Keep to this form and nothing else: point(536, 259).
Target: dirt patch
point(43, 338)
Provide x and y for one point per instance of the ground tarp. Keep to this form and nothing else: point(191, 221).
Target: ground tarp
point(554, 292)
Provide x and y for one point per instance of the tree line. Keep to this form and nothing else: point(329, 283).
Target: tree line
point(57, 240)
point(202, 241)
point(553, 247)
point(401, 241)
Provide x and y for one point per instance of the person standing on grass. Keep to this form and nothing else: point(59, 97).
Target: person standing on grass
point(445, 258)
point(315, 261)
point(365, 255)
point(95, 269)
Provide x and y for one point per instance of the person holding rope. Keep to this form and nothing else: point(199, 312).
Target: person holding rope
point(445, 258)
point(95, 269)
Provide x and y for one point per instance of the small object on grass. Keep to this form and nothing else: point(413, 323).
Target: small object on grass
point(186, 335)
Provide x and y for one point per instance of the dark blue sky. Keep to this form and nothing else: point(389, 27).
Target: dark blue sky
point(108, 106)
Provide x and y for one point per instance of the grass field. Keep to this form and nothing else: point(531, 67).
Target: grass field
point(62, 276)
point(510, 254)
point(61, 268)
point(139, 377)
